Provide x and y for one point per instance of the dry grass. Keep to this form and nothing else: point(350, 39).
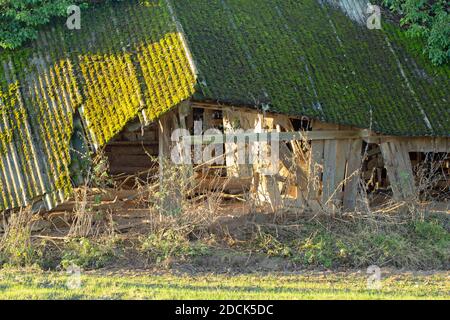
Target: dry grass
point(15, 244)
point(178, 220)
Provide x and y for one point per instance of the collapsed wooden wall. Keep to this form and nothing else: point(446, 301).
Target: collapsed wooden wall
point(317, 170)
point(320, 165)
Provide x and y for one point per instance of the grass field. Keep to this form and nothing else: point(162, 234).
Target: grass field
point(134, 285)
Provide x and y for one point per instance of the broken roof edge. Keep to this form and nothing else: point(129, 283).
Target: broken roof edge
point(260, 108)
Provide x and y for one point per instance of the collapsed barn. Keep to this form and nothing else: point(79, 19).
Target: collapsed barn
point(347, 103)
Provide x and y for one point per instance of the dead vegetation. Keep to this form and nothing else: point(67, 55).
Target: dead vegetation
point(202, 218)
point(211, 229)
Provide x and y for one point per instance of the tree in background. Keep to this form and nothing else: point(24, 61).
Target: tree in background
point(428, 20)
point(20, 19)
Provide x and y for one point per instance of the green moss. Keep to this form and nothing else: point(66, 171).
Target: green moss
point(127, 58)
point(296, 57)
point(304, 58)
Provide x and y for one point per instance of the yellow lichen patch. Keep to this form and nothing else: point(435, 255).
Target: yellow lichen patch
point(14, 153)
point(56, 97)
point(130, 59)
point(112, 93)
point(35, 130)
point(167, 74)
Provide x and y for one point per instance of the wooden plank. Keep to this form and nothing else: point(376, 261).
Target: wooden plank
point(329, 172)
point(236, 154)
point(185, 150)
point(269, 192)
point(164, 139)
point(164, 133)
point(352, 175)
point(132, 150)
point(342, 152)
point(406, 173)
point(300, 156)
point(198, 150)
point(265, 185)
point(316, 163)
point(220, 107)
point(248, 122)
point(315, 170)
point(427, 144)
point(288, 160)
point(399, 169)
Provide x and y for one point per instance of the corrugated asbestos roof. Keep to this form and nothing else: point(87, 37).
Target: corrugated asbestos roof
point(127, 61)
point(315, 58)
point(309, 57)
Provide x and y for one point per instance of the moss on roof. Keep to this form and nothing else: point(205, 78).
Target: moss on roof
point(127, 60)
point(307, 58)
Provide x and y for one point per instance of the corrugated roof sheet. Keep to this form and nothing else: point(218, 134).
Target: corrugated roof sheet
point(127, 60)
point(309, 58)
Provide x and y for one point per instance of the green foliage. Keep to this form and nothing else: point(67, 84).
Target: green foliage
point(166, 244)
point(414, 244)
point(431, 231)
point(271, 246)
point(86, 254)
point(20, 19)
point(427, 20)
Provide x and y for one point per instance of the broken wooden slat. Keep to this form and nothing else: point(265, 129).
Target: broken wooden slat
point(329, 182)
point(269, 191)
point(342, 153)
point(399, 169)
point(315, 170)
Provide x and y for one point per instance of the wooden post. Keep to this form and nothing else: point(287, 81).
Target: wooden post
point(399, 169)
point(163, 156)
point(164, 143)
point(265, 185)
point(184, 111)
point(234, 152)
point(248, 121)
point(171, 189)
point(269, 191)
point(230, 147)
point(352, 175)
point(316, 164)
